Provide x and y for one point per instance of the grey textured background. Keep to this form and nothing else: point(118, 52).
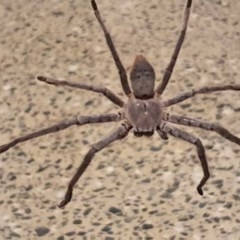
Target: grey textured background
point(136, 188)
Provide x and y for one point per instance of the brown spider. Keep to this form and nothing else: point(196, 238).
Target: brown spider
point(143, 112)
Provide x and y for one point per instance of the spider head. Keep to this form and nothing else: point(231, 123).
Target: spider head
point(142, 78)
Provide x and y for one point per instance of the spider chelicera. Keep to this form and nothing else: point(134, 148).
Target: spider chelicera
point(143, 113)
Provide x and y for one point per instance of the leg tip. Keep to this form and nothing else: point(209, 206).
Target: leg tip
point(62, 204)
point(189, 3)
point(41, 78)
point(67, 199)
point(200, 191)
point(94, 5)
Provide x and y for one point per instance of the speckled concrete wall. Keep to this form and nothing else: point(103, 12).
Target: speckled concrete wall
point(137, 188)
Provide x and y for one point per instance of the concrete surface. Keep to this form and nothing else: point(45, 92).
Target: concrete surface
point(137, 188)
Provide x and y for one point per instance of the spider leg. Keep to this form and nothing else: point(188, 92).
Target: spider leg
point(106, 92)
point(118, 63)
point(80, 120)
point(191, 93)
point(162, 134)
point(117, 134)
point(168, 72)
point(178, 133)
point(186, 121)
point(203, 125)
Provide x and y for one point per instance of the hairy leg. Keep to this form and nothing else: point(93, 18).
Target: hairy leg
point(117, 134)
point(106, 92)
point(118, 63)
point(168, 72)
point(191, 93)
point(80, 120)
point(204, 125)
point(178, 133)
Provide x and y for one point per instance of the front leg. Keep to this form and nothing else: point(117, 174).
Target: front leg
point(168, 72)
point(178, 133)
point(121, 70)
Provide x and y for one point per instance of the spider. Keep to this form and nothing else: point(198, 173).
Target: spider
point(143, 113)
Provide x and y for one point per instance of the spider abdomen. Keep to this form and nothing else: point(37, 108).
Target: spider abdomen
point(143, 115)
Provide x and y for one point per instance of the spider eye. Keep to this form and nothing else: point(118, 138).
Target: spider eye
point(146, 73)
point(138, 76)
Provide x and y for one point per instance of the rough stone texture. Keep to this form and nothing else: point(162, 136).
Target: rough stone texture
point(152, 182)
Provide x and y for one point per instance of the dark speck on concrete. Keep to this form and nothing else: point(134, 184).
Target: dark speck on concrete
point(14, 235)
point(70, 234)
point(107, 229)
point(81, 233)
point(41, 231)
point(216, 219)
point(206, 215)
point(156, 148)
point(236, 197)
point(228, 205)
point(87, 211)
point(61, 238)
point(166, 195)
point(109, 238)
point(146, 180)
point(115, 210)
point(148, 238)
point(225, 218)
point(77, 221)
point(57, 13)
point(201, 205)
point(147, 226)
point(218, 183)
point(11, 176)
point(88, 103)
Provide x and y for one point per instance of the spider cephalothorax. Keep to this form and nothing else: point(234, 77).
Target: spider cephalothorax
point(142, 110)
point(142, 113)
